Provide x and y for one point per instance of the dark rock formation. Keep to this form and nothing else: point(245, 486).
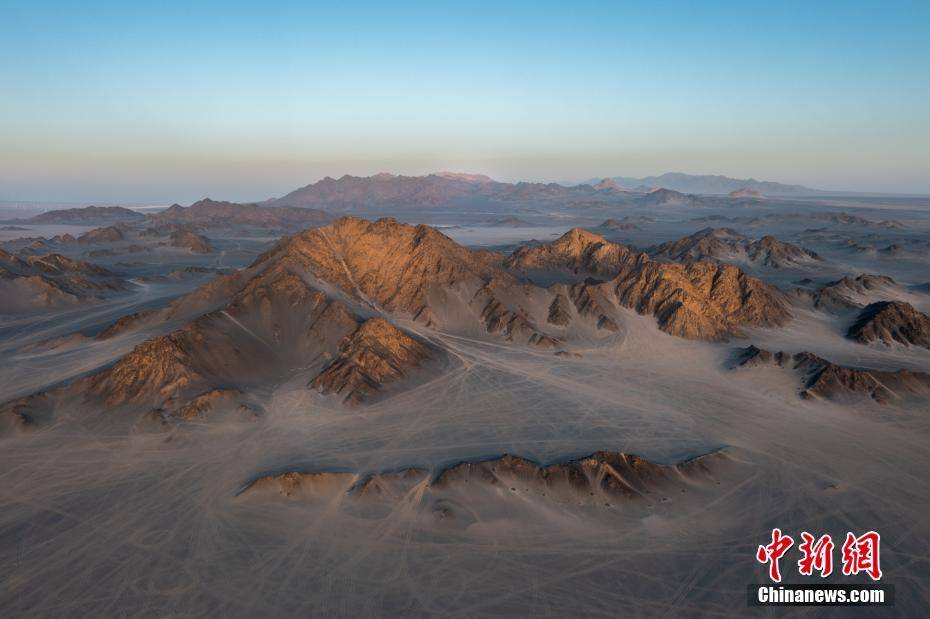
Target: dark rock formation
point(821, 378)
point(891, 321)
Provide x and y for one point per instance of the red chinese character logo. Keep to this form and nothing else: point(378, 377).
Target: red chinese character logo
point(816, 556)
point(860, 554)
point(773, 552)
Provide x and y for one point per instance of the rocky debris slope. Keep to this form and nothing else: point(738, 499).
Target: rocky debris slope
point(608, 474)
point(727, 245)
point(891, 321)
point(820, 378)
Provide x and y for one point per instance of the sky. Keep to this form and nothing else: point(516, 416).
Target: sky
point(161, 102)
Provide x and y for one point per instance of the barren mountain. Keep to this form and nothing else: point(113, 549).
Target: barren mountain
point(669, 197)
point(891, 321)
point(608, 184)
point(298, 310)
point(188, 239)
point(745, 192)
point(273, 325)
point(852, 292)
point(109, 234)
point(577, 250)
point(727, 245)
point(41, 281)
point(212, 213)
point(715, 185)
point(395, 266)
point(604, 474)
point(821, 378)
point(696, 300)
point(88, 216)
point(616, 225)
point(430, 190)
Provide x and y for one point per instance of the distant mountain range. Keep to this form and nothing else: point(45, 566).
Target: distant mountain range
point(430, 190)
point(709, 184)
point(88, 216)
point(444, 187)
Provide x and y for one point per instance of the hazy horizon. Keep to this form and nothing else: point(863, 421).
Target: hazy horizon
point(189, 196)
point(171, 103)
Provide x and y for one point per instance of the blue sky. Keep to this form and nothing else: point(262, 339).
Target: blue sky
point(172, 101)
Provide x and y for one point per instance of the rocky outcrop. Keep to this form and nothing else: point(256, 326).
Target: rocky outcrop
point(389, 485)
point(499, 318)
point(560, 311)
point(188, 239)
point(299, 485)
point(591, 299)
point(159, 368)
point(891, 322)
point(820, 378)
point(597, 479)
point(701, 300)
point(210, 402)
point(109, 234)
point(376, 354)
point(604, 474)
